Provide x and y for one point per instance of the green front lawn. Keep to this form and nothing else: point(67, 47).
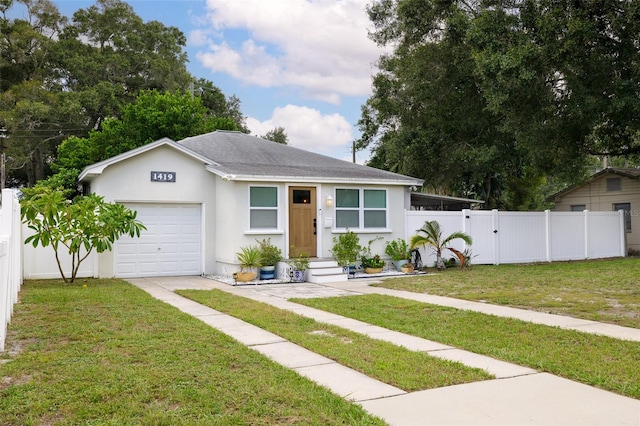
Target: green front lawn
point(605, 362)
point(105, 352)
point(397, 366)
point(599, 290)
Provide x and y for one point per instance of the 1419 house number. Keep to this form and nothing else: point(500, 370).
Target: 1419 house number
point(163, 176)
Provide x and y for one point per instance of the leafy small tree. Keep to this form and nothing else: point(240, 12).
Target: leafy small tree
point(346, 248)
point(81, 225)
point(276, 134)
point(431, 235)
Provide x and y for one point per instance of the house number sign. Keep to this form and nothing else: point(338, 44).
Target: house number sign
point(163, 176)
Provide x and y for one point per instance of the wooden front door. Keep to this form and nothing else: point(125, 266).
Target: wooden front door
point(302, 221)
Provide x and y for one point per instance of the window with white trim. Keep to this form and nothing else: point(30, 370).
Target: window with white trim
point(263, 207)
point(361, 208)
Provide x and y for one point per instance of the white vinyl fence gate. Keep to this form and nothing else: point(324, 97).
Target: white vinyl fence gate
point(524, 237)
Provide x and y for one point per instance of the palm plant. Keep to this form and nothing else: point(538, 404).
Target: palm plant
point(431, 235)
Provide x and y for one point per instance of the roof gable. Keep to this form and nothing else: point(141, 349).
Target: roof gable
point(98, 168)
point(631, 173)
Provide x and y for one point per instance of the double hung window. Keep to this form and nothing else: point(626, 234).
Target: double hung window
point(263, 207)
point(361, 208)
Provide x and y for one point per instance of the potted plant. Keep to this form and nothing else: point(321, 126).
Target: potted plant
point(399, 252)
point(270, 255)
point(372, 264)
point(249, 257)
point(299, 264)
point(407, 268)
point(346, 249)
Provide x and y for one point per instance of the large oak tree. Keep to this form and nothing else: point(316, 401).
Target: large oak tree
point(63, 77)
point(492, 98)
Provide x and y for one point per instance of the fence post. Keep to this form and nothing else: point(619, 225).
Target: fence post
point(547, 227)
point(623, 234)
point(495, 223)
point(586, 234)
point(465, 221)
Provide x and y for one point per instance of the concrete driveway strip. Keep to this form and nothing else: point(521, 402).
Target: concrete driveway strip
point(568, 323)
point(522, 397)
point(539, 399)
point(341, 380)
point(499, 369)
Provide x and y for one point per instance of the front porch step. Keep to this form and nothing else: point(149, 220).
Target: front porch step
point(325, 271)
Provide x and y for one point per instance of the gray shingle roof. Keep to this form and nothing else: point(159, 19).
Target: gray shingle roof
point(246, 157)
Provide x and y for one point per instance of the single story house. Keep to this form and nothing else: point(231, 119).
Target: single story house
point(610, 189)
point(206, 196)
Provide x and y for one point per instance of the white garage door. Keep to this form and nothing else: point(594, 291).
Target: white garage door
point(170, 246)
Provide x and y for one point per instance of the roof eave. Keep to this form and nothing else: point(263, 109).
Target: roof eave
point(254, 178)
point(447, 198)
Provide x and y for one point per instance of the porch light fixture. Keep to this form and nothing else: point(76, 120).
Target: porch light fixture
point(329, 201)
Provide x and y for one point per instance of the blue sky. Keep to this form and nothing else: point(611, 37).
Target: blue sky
point(305, 65)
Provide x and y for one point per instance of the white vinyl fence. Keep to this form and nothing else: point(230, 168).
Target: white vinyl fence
point(523, 237)
point(498, 237)
point(40, 262)
point(10, 259)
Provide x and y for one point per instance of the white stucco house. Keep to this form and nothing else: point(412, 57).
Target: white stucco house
point(204, 197)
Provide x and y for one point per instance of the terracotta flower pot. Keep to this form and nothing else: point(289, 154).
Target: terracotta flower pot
point(243, 277)
point(407, 269)
point(372, 270)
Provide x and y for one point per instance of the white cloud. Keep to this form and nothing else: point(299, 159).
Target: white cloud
point(307, 128)
point(319, 46)
point(198, 37)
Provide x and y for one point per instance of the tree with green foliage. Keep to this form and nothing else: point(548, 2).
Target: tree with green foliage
point(35, 119)
point(276, 134)
point(493, 99)
point(564, 75)
point(431, 235)
point(151, 117)
point(81, 225)
point(63, 78)
point(218, 105)
point(34, 112)
point(109, 54)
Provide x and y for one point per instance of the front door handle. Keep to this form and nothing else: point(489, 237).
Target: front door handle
point(315, 226)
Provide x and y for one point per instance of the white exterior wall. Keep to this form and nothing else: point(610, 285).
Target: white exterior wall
point(397, 201)
point(130, 181)
point(232, 226)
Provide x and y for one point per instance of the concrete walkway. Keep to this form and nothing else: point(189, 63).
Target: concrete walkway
point(518, 396)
